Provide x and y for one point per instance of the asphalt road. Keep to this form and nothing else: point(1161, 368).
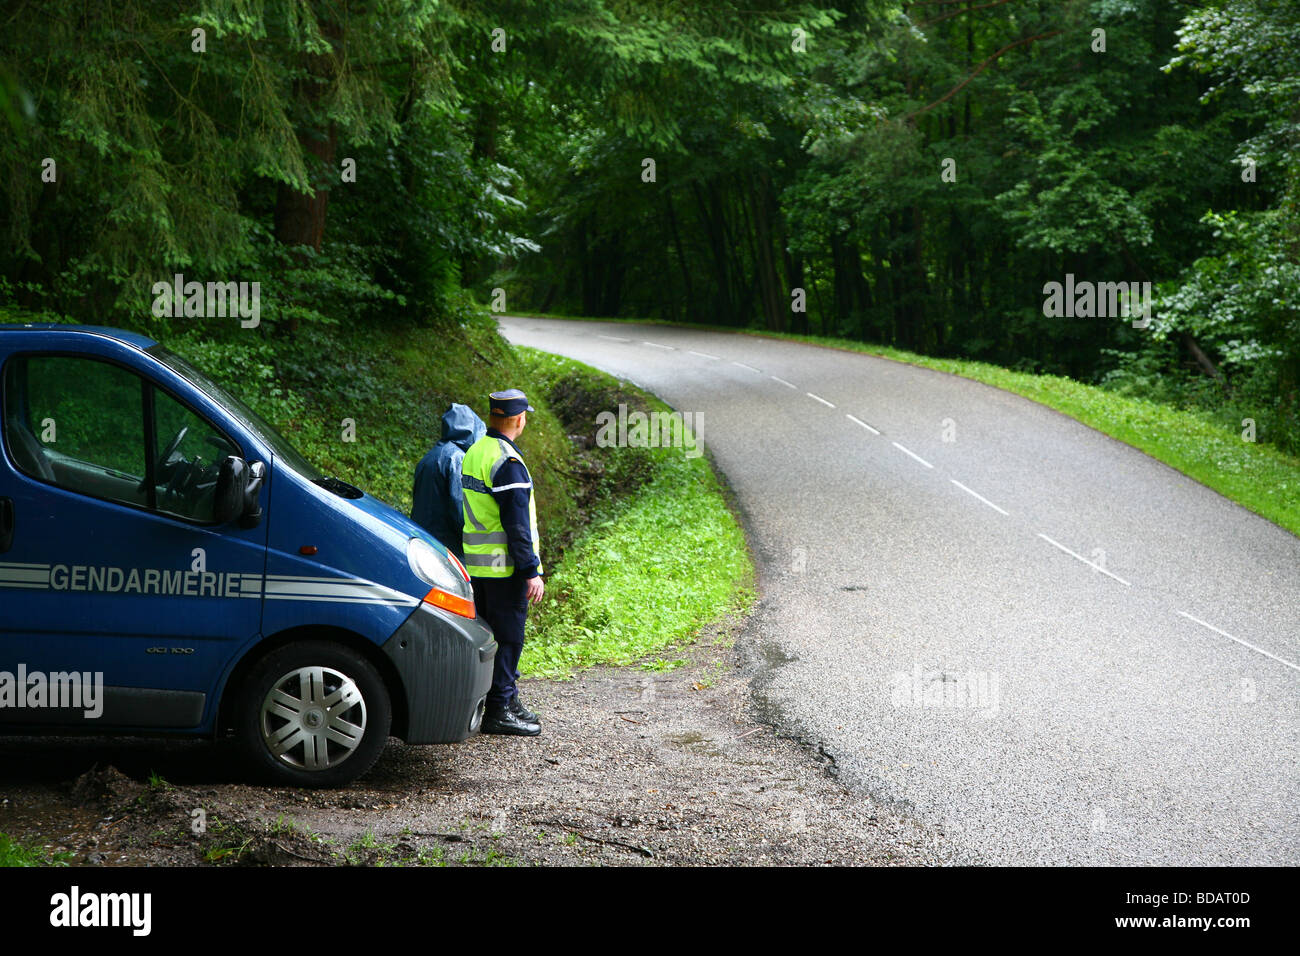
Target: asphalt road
point(1044, 641)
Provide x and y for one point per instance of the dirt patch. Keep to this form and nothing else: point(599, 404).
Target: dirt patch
point(634, 767)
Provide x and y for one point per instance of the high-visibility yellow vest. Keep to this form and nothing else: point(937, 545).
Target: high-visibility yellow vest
point(487, 552)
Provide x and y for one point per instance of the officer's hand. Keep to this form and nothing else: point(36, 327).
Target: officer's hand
point(535, 589)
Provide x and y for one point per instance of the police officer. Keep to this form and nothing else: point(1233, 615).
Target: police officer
point(501, 552)
point(436, 502)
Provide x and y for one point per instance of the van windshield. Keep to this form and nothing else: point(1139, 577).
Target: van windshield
point(278, 444)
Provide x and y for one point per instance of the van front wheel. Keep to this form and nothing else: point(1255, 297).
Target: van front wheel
point(313, 714)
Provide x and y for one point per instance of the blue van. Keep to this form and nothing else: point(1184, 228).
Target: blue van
point(169, 564)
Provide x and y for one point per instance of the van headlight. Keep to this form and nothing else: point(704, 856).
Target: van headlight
point(449, 583)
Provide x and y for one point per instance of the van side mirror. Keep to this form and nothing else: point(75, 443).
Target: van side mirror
point(251, 515)
point(228, 495)
point(235, 496)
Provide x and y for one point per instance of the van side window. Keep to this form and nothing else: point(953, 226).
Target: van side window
point(81, 424)
point(187, 477)
point(78, 424)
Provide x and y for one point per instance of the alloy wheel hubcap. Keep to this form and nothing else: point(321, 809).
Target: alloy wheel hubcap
point(314, 718)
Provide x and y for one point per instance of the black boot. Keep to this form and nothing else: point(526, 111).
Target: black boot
point(502, 720)
point(523, 713)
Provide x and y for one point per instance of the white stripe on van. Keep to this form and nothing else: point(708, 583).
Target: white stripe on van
point(282, 587)
point(15, 574)
point(278, 587)
point(396, 602)
point(250, 585)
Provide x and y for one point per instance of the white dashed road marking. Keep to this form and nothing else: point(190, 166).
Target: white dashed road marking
point(977, 495)
point(1096, 567)
point(912, 453)
point(1239, 641)
point(969, 491)
point(863, 424)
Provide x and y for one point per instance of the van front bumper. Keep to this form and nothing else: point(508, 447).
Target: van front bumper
point(445, 663)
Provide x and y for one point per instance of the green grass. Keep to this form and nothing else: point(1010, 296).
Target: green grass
point(13, 853)
point(1258, 477)
point(651, 568)
point(367, 847)
point(659, 665)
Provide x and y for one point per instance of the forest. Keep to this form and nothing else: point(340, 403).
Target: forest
point(910, 174)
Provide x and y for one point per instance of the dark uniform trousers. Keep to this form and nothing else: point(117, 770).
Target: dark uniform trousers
point(503, 603)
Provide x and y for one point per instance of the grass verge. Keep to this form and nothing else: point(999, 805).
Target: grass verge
point(661, 555)
point(1258, 477)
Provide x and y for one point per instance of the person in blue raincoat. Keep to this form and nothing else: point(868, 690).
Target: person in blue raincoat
point(436, 497)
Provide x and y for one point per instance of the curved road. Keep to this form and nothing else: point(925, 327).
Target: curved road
point(1039, 639)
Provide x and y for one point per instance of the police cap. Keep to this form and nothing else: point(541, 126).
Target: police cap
point(509, 403)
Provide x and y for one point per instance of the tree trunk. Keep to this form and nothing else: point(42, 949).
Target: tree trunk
point(590, 303)
point(842, 289)
point(299, 216)
point(765, 263)
point(612, 292)
point(1204, 360)
point(688, 286)
point(718, 249)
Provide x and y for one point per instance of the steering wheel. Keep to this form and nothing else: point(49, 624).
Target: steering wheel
point(167, 453)
point(171, 448)
point(181, 477)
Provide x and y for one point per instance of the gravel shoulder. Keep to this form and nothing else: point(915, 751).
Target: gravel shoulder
point(634, 767)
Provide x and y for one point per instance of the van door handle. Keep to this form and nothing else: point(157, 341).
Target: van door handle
point(6, 524)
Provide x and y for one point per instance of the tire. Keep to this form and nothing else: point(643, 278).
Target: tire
point(313, 714)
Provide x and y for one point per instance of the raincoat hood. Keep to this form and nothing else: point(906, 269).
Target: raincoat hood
point(461, 426)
